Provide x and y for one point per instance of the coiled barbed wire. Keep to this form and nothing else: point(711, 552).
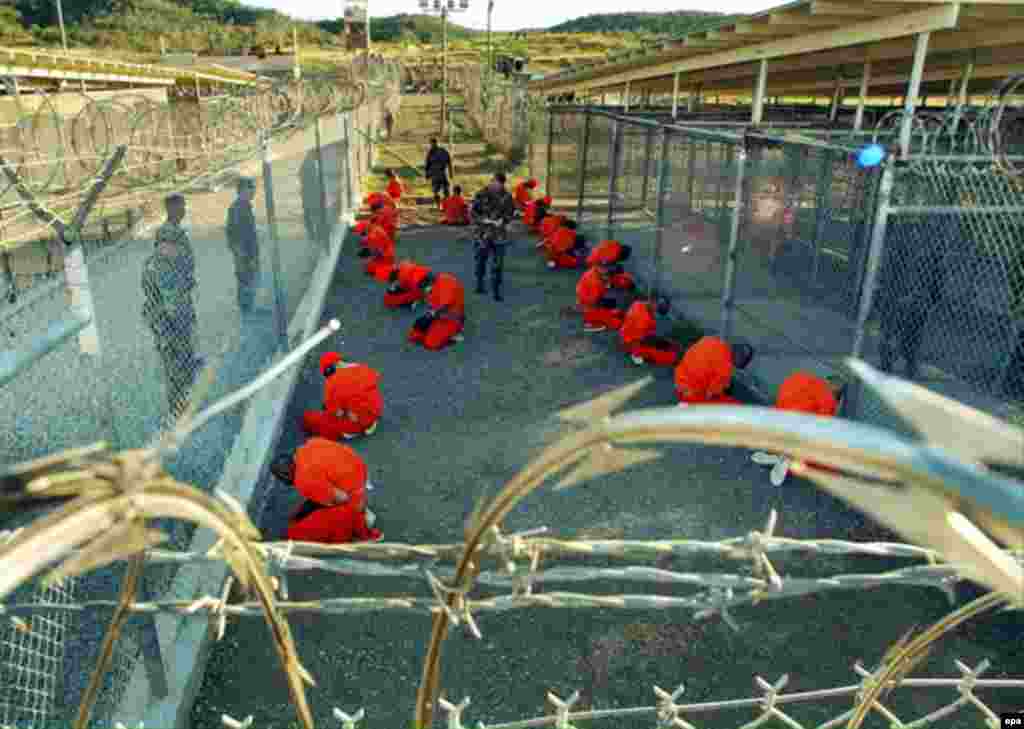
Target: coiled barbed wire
point(58, 155)
point(963, 140)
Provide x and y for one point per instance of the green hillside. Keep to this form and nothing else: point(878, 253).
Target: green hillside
point(672, 23)
point(415, 29)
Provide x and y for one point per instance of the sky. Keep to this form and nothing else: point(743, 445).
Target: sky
point(515, 14)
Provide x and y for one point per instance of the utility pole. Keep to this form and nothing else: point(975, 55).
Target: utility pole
point(444, 67)
point(60, 19)
point(444, 7)
point(490, 48)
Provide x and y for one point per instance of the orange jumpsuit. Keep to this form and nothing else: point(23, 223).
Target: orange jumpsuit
point(332, 525)
point(609, 253)
point(323, 466)
point(590, 296)
point(383, 248)
point(559, 247)
point(705, 373)
point(387, 218)
point(522, 193)
point(394, 189)
point(352, 403)
point(409, 277)
point(550, 224)
point(447, 298)
point(455, 210)
point(638, 336)
point(804, 392)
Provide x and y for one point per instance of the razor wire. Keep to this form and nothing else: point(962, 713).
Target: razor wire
point(990, 135)
point(57, 156)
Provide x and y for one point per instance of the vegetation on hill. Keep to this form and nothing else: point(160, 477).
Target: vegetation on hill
point(222, 27)
point(671, 23)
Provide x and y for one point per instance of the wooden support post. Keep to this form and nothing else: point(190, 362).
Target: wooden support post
point(913, 89)
point(757, 106)
point(627, 98)
point(837, 99)
point(865, 81)
point(675, 95)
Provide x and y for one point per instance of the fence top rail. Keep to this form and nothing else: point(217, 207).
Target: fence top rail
point(738, 135)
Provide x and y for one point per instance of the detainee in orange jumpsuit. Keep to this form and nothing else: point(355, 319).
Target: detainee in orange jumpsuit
point(804, 392)
point(565, 248)
point(611, 254)
point(535, 212)
point(444, 322)
point(333, 479)
point(600, 312)
point(455, 210)
point(638, 335)
point(352, 400)
point(394, 187)
point(379, 247)
point(404, 285)
point(523, 193)
point(704, 374)
point(548, 226)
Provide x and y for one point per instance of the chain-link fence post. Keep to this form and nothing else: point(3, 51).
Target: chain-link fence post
point(822, 208)
point(346, 171)
point(615, 143)
point(551, 133)
point(648, 144)
point(584, 144)
point(691, 174)
point(661, 191)
point(723, 218)
point(280, 317)
point(739, 187)
point(325, 223)
point(873, 266)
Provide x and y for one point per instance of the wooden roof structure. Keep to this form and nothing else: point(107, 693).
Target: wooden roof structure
point(819, 47)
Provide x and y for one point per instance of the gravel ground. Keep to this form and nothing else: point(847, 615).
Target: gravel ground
point(460, 423)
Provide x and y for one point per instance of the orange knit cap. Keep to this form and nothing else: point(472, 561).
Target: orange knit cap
point(705, 371)
point(806, 393)
point(327, 359)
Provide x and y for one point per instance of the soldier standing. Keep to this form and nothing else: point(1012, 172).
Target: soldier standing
point(168, 279)
point(244, 243)
point(493, 208)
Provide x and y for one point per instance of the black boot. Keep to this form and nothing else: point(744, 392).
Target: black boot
point(480, 288)
point(497, 293)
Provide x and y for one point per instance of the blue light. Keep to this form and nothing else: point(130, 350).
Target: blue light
point(871, 155)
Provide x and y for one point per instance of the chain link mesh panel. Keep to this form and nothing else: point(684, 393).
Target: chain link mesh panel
point(947, 310)
point(167, 298)
point(803, 237)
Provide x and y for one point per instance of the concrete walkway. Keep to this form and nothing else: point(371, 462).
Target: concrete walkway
point(457, 425)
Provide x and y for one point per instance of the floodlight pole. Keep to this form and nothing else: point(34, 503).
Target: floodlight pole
point(60, 20)
point(444, 66)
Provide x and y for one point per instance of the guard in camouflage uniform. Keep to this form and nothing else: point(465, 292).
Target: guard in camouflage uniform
point(244, 243)
point(168, 279)
point(493, 208)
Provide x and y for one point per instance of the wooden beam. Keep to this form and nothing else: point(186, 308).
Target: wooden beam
point(762, 29)
point(863, 9)
point(805, 21)
point(865, 80)
point(757, 105)
point(890, 34)
point(694, 42)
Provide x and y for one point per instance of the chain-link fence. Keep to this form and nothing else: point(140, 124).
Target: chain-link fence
point(766, 234)
point(212, 277)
